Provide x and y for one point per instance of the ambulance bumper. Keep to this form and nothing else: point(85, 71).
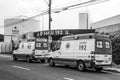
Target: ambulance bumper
point(93, 64)
point(40, 57)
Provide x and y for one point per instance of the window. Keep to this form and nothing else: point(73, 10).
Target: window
point(38, 44)
point(99, 44)
point(44, 45)
point(107, 45)
point(57, 46)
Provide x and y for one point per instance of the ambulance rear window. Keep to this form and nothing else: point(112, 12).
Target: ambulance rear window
point(107, 44)
point(99, 44)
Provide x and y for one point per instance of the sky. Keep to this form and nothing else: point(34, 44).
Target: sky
point(64, 20)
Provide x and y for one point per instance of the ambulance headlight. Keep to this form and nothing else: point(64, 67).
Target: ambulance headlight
point(33, 51)
point(92, 58)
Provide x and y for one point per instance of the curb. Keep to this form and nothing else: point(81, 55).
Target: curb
point(112, 70)
point(5, 55)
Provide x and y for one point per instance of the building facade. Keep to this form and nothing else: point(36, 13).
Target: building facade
point(108, 25)
point(15, 27)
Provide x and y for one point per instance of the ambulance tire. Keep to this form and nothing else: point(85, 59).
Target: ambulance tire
point(14, 58)
point(42, 61)
point(81, 66)
point(51, 62)
point(98, 69)
point(28, 60)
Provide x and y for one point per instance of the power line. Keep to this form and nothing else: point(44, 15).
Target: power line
point(67, 3)
point(46, 2)
point(91, 2)
point(86, 4)
point(23, 20)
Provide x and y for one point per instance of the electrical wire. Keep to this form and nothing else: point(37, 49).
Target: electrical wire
point(73, 2)
point(23, 20)
point(46, 2)
point(61, 9)
point(86, 4)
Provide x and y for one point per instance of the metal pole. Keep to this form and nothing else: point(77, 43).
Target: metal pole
point(87, 16)
point(87, 21)
point(49, 44)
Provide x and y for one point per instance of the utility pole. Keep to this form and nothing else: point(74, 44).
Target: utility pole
point(50, 19)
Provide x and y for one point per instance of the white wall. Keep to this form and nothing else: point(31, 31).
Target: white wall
point(21, 28)
point(106, 22)
point(83, 20)
point(110, 28)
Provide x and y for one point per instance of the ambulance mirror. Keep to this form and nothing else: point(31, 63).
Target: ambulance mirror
point(53, 49)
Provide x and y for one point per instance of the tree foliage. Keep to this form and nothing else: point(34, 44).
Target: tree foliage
point(115, 38)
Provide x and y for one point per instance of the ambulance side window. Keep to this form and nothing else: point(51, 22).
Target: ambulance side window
point(107, 44)
point(57, 46)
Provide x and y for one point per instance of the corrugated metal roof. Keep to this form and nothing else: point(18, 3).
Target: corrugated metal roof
point(106, 22)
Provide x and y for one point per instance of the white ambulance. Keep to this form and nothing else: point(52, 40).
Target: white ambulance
point(31, 50)
point(92, 50)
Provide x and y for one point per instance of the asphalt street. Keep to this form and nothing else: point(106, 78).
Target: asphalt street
point(20, 70)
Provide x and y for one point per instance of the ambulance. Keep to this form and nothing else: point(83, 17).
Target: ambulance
point(93, 50)
point(32, 50)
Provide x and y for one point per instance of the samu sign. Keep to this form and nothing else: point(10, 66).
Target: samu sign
point(63, 32)
point(15, 31)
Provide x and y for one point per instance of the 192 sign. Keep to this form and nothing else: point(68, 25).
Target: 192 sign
point(82, 47)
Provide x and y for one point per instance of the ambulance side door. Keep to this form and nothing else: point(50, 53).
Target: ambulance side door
point(67, 52)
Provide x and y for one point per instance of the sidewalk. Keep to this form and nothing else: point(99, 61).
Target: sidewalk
point(5, 55)
point(114, 68)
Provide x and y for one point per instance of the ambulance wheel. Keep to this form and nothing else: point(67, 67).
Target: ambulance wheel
point(51, 62)
point(81, 66)
point(14, 58)
point(42, 61)
point(98, 69)
point(28, 59)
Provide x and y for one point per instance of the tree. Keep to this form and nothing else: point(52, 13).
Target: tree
point(115, 38)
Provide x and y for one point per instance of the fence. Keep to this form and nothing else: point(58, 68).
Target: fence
point(6, 47)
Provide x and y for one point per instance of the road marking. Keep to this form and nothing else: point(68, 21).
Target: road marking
point(68, 78)
point(21, 67)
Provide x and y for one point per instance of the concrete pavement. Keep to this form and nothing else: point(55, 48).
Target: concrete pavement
point(38, 71)
point(114, 68)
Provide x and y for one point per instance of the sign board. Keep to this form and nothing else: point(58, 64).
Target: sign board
point(15, 31)
point(64, 32)
point(41, 43)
